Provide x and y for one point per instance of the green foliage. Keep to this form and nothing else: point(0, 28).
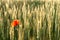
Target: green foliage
point(40, 20)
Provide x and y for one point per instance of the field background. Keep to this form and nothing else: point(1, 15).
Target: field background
point(40, 20)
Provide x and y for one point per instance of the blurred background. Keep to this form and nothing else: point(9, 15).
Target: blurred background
point(40, 19)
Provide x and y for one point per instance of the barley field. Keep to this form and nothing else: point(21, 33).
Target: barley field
point(39, 20)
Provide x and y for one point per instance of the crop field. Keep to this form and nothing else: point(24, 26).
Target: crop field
point(38, 20)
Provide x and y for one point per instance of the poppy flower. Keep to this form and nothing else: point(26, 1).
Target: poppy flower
point(15, 23)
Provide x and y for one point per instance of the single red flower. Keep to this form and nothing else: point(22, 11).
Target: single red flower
point(15, 23)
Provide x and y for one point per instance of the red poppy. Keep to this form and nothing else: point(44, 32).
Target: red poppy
point(15, 23)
